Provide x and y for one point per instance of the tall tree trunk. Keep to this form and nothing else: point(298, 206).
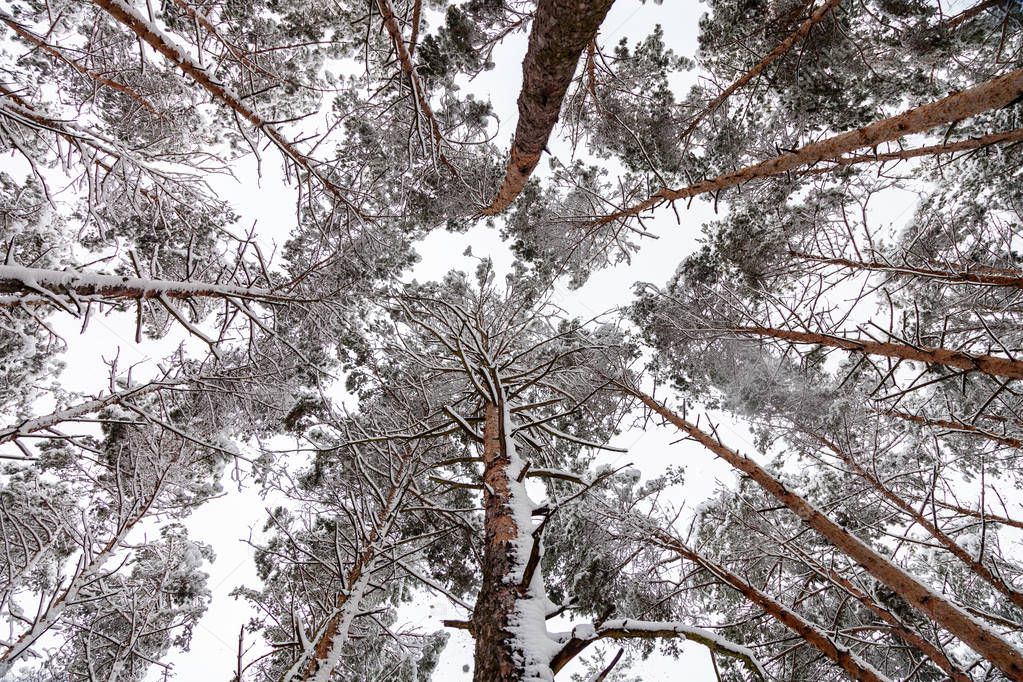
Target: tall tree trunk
point(995, 93)
point(974, 362)
point(495, 605)
point(509, 619)
point(561, 31)
point(998, 651)
point(814, 636)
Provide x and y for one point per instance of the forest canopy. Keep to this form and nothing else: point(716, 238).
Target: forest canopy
point(727, 379)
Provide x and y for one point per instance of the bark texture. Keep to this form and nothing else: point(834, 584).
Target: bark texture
point(993, 94)
point(971, 632)
point(973, 362)
point(494, 655)
point(814, 636)
point(562, 29)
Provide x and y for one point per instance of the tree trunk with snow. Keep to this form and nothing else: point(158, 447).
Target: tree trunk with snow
point(495, 654)
point(955, 359)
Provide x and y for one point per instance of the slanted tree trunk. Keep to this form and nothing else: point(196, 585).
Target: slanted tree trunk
point(976, 566)
point(561, 30)
point(970, 274)
point(179, 56)
point(779, 51)
point(993, 94)
point(857, 668)
point(974, 362)
point(971, 632)
point(1002, 137)
point(896, 625)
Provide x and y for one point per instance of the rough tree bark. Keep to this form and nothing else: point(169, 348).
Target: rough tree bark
point(975, 362)
point(992, 94)
point(971, 632)
point(495, 605)
point(814, 636)
point(562, 29)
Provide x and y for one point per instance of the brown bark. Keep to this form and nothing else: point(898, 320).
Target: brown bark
point(992, 94)
point(975, 274)
point(127, 16)
point(561, 31)
point(409, 67)
point(960, 426)
point(779, 51)
point(987, 364)
point(361, 568)
point(494, 655)
point(1004, 137)
point(897, 627)
point(950, 545)
point(999, 652)
point(968, 14)
point(814, 636)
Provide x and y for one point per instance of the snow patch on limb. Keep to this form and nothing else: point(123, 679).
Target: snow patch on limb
point(17, 279)
point(573, 642)
point(528, 623)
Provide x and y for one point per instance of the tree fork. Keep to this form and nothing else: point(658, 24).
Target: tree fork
point(999, 652)
point(562, 29)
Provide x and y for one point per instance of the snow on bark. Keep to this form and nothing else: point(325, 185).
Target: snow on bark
point(572, 643)
point(510, 616)
point(15, 279)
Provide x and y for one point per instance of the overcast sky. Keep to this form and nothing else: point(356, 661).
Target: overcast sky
point(268, 202)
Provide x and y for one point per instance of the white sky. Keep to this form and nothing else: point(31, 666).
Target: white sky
point(226, 522)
